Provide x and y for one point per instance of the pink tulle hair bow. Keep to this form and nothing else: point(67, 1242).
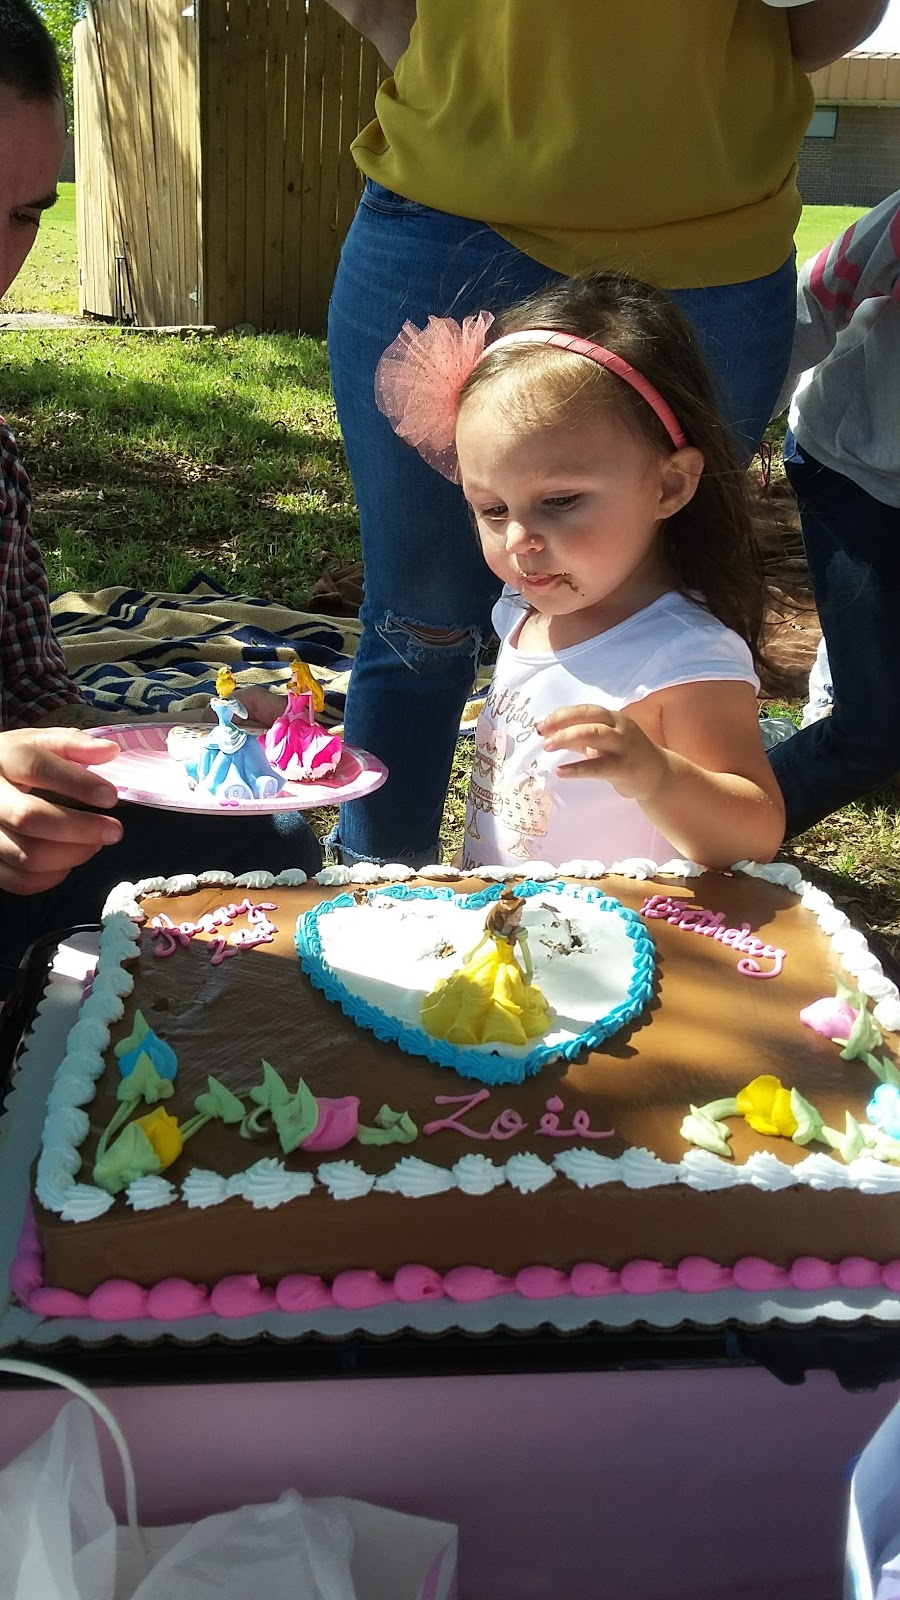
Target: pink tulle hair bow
point(418, 382)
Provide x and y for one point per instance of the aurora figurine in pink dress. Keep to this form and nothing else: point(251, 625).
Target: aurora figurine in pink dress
point(295, 743)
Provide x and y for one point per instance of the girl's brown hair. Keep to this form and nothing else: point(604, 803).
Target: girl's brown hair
point(710, 543)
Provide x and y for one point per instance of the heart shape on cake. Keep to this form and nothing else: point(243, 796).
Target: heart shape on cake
point(378, 957)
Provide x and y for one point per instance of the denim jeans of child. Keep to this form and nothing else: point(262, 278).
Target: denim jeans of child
point(428, 593)
point(154, 842)
point(852, 544)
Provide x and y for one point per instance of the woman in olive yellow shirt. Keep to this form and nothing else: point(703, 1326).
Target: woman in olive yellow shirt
point(516, 141)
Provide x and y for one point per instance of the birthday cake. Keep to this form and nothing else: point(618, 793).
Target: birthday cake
point(251, 1114)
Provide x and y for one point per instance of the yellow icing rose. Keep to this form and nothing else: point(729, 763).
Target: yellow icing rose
point(164, 1135)
point(766, 1105)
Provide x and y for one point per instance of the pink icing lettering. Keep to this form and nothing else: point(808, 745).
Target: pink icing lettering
point(659, 905)
point(220, 950)
point(167, 938)
point(470, 1101)
point(711, 924)
point(581, 1124)
point(750, 968)
point(507, 1125)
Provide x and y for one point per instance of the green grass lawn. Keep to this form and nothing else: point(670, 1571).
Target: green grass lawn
point(155, 457)
point(818, 225)
point(49, 279)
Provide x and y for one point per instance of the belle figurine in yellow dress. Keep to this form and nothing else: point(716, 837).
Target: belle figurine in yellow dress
point(491, 997)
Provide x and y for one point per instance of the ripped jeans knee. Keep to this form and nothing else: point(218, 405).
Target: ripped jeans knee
point(428, 648)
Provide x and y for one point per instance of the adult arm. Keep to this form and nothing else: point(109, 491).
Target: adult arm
point(387, 24)
point(824, 30)
point(41, 838)
point(692, 758)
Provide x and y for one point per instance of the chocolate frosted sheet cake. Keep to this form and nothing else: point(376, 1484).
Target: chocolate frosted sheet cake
point(250, 1114)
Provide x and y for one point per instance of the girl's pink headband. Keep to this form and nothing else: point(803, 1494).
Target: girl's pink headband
point(420, 376)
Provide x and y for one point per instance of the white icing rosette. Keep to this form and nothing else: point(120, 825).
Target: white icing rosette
point(823, 1172)
point(700, 1169)
point(83, 1202)
point(476, 1174)
point(415, 1178)
point(765, 1171)
point(586, 1168)
point(268, 1184)
point(151, 1193)
point(254, 880)
point(202, 1189)
point(641, 1169)
point(345, 1180)
point(528, 1173)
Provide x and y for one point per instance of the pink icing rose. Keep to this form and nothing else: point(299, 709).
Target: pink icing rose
point(832, 1018)
point(337, 1124)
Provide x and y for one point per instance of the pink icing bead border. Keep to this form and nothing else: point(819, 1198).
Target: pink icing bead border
point(174, 1299)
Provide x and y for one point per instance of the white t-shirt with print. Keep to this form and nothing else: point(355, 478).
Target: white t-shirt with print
point(517, 810)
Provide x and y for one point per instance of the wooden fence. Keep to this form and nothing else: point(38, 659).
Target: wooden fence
point(215, 182)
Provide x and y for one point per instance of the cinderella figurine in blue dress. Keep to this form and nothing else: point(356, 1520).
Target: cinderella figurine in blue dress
point(232, 764)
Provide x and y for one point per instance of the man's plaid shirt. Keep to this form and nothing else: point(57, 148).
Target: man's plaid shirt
point(33, 677)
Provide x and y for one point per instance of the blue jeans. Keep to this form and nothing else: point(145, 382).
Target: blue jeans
point(852, 544)
point(428, 594)
point(154, 842)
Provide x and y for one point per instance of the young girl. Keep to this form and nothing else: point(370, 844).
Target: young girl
point(622, 717)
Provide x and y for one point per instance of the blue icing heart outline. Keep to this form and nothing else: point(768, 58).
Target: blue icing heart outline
point(485, 1066)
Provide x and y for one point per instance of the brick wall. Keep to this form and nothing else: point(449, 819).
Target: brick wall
point(860, 165)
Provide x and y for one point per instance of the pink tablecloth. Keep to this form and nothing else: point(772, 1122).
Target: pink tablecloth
point(721, 1485)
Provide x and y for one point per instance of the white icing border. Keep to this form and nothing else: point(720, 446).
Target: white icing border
point(268, 1183)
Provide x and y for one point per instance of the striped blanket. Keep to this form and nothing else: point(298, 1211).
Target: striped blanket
point(135, 654)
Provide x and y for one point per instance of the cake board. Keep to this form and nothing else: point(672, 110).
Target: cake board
point(855, 1333)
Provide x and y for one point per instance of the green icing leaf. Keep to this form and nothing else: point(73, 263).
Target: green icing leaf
point(392, 1127)
point(809, 1123)
point(272, 1092)
point(865, 1035)
point(140, 1029)
point(297, 1119)
point(707, 1133)
point(219, 1102)
point(129, 1157)
point(884, 1070)
point(850, 1143)
point(144, 1083)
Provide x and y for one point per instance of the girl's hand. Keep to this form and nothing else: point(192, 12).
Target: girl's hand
point(612, 747)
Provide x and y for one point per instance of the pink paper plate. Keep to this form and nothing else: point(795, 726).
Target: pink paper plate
point(145, 773)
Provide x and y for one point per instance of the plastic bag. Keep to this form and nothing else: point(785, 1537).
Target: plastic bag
point(59, 1539)
point(871, 1565)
